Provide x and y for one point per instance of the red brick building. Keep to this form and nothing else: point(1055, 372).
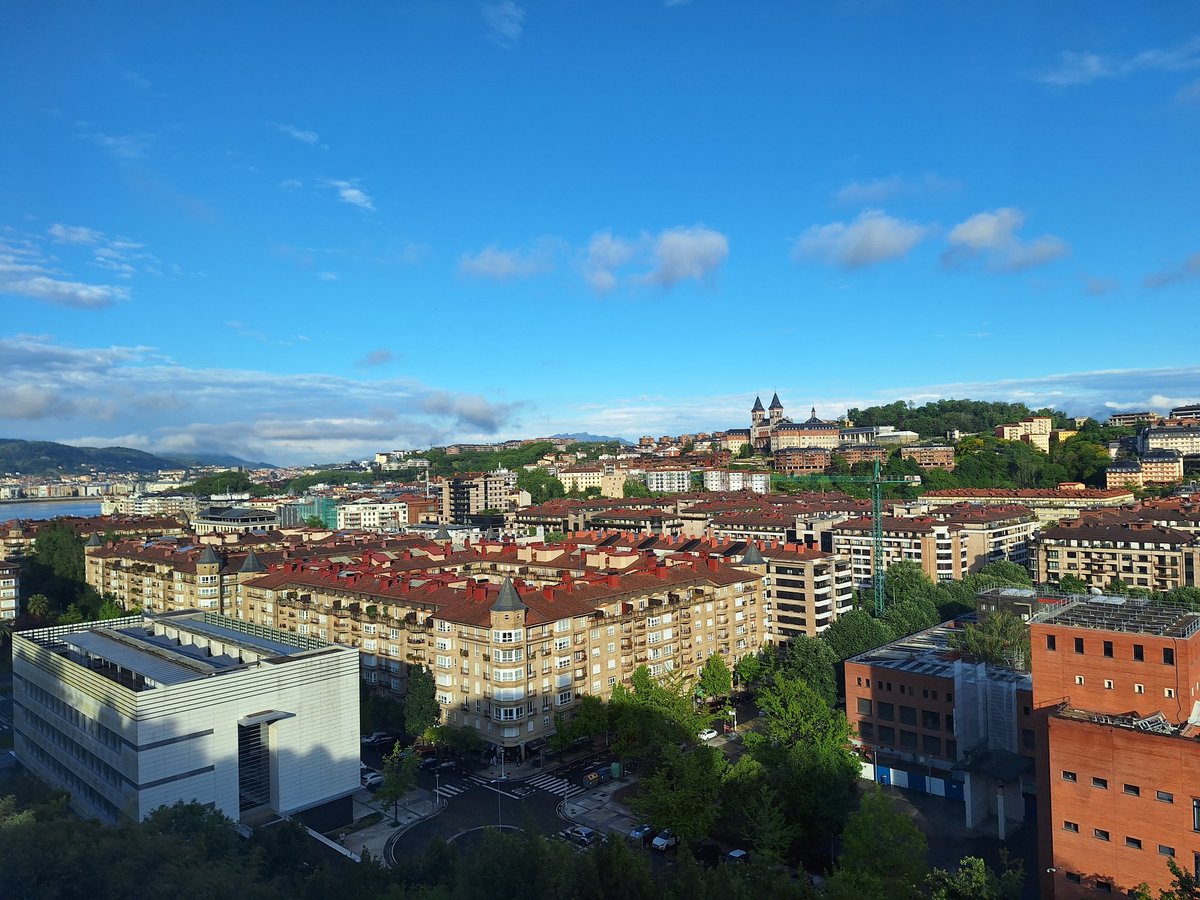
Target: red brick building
point(1116, 688)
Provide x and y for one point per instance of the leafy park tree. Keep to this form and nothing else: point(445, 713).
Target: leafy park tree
point(973, 880)
point(399, 777)
point(882, 845)
point(634, 488)
point(855, 632)
point(38, 605)
point(542, 486)
point(748, 668)
point(421, 711)
point(910, 616)
point(715, 677)
point(683, 794)
point(60, 550)
point(111, 609)
point(813, 661)
point(314, 522)
point(1007, 572)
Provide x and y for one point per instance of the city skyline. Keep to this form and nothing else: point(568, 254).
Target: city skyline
point(298, 238)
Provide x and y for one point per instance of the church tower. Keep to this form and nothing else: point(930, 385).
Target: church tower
point(776, 411)
point(757, 414)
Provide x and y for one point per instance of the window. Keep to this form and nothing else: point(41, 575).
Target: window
point(1101, 783)
point(1069, 776)
point(1108, 649)
point(1133, 843)
point(864, 706)
point(1139, 653)
point(1195, 814)
point(1079, 679)
point(1168, 656)
point(1074, 877)
point(1071, 826)
point(1100, 834)
point(887, 734)
point(908, 739)
point(1164, 796)
point(1108, 684)
point(866, 731)
point(931, 745)
point(1132, 789)
point(1050, 643)
point(908, 715)
point(1169, 693)
point(1027, 738)
point(1078, 645)
point(1139, 689)
point(1104, 887)
point(887, 712)
point(1164, 850)
point(930, 719)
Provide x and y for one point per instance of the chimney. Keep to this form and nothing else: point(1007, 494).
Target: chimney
point(548, 592)
point(614, 580)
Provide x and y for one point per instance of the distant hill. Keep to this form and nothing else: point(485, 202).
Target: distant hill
point(47, 457)
point(582, 437)
point(936, 418)
point(220, 459)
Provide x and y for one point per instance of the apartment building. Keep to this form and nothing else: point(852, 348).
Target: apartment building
point(183, 505)
point(1132, 419)
point(1115, 687)
point(805, 589)
point(992, 533)
point(1139, 553)
point(1048, 504)
point(10, 590)
point(803, 460)
point(1153, 467)
point(930, 457)
point(468, 495)
point(233, 520)
point(507, 655)
point(939, 548)
point(605, 476)
point(669, 481)
point(863, 453)
point(135, 713)
point(929, 718)
point(737, 480)
point(1034, 430)
point(1182, 436)
point(369, 514)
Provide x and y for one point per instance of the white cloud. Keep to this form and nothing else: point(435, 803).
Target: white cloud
point(305, 137)
point(122, 146)
point(63, 293)
point(1075, 68)
point(349, 192)
point(291, 184)
point(503, 264)
point(873, 237)
point(505, 21)
point(687, 254)
point(154, 403)
point(876, 191)
point(327, 276)
point(1187, 270)
point(672, 256)
point(993, 236)
point(74, 234)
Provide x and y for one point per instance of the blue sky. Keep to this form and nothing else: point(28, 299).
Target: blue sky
point(296, 233)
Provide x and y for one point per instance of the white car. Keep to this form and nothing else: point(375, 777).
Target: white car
point(374, 737)
point(707, 734)
point(665, 838)
point(372, 781)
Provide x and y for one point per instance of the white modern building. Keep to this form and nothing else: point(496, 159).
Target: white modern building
point(134, 713)
point(371, 514)
point(669, 481)
point(737, 480)
point(10, 590)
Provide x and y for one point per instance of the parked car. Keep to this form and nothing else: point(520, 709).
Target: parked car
point(447, 764)
point(736, 857)
point(666, 838)
point(641, 833)
point(374, 737)
point(706, 735)
point(581, 835)
point(429, 763)
point(372, 780)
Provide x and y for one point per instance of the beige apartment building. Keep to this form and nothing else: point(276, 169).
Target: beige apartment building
point(1048, 504)
point(608, 478)
point(1182, 437)
point(507, 656)
point(930, 457)
point(1154, 467)
point(939, 548)
point(464, 496)
point(1034, 430)
point(1141, 554)
point(806, 589)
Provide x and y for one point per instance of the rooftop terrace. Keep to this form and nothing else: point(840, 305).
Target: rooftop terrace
point(1129, 614)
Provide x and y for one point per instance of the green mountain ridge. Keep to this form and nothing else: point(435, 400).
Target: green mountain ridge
point(50, 458)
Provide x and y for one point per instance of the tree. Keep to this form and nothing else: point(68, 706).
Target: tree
point(748, 668)
point(715, 678)
point(854, 632)
point(111, 609)
point(314, 522)
point(540, 484)
point(813, 661)
point(796, 713)
point(591, 717)
point(906, 580)
point(72, 616)
point(38, 605)
point(1001, 639)
point(683, 794)
point(910, 616)
point(883, 843)
point(1007, 572)
point(399, 777)
point(745, 451)
point(768, 828)
point(1072, 584)
point(634, 488)
point(421, 710)
point(975, 881)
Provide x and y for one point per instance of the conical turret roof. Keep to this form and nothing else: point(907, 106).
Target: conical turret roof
point(758, 407)
point(753, 557)
point(208, 557)
point(508, 600)
point(775, 404)
point(442, 534)
point(94, 541)
point(252, 564)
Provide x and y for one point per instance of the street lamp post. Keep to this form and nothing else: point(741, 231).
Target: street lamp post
point(437, 787)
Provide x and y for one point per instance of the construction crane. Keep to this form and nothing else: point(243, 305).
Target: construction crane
point(876, 481)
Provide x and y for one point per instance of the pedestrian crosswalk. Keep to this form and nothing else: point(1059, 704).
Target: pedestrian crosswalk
point(446, 791)
point(559, 786)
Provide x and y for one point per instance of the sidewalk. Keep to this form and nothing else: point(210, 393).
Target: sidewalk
point(416, 806)
point(597, 809)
